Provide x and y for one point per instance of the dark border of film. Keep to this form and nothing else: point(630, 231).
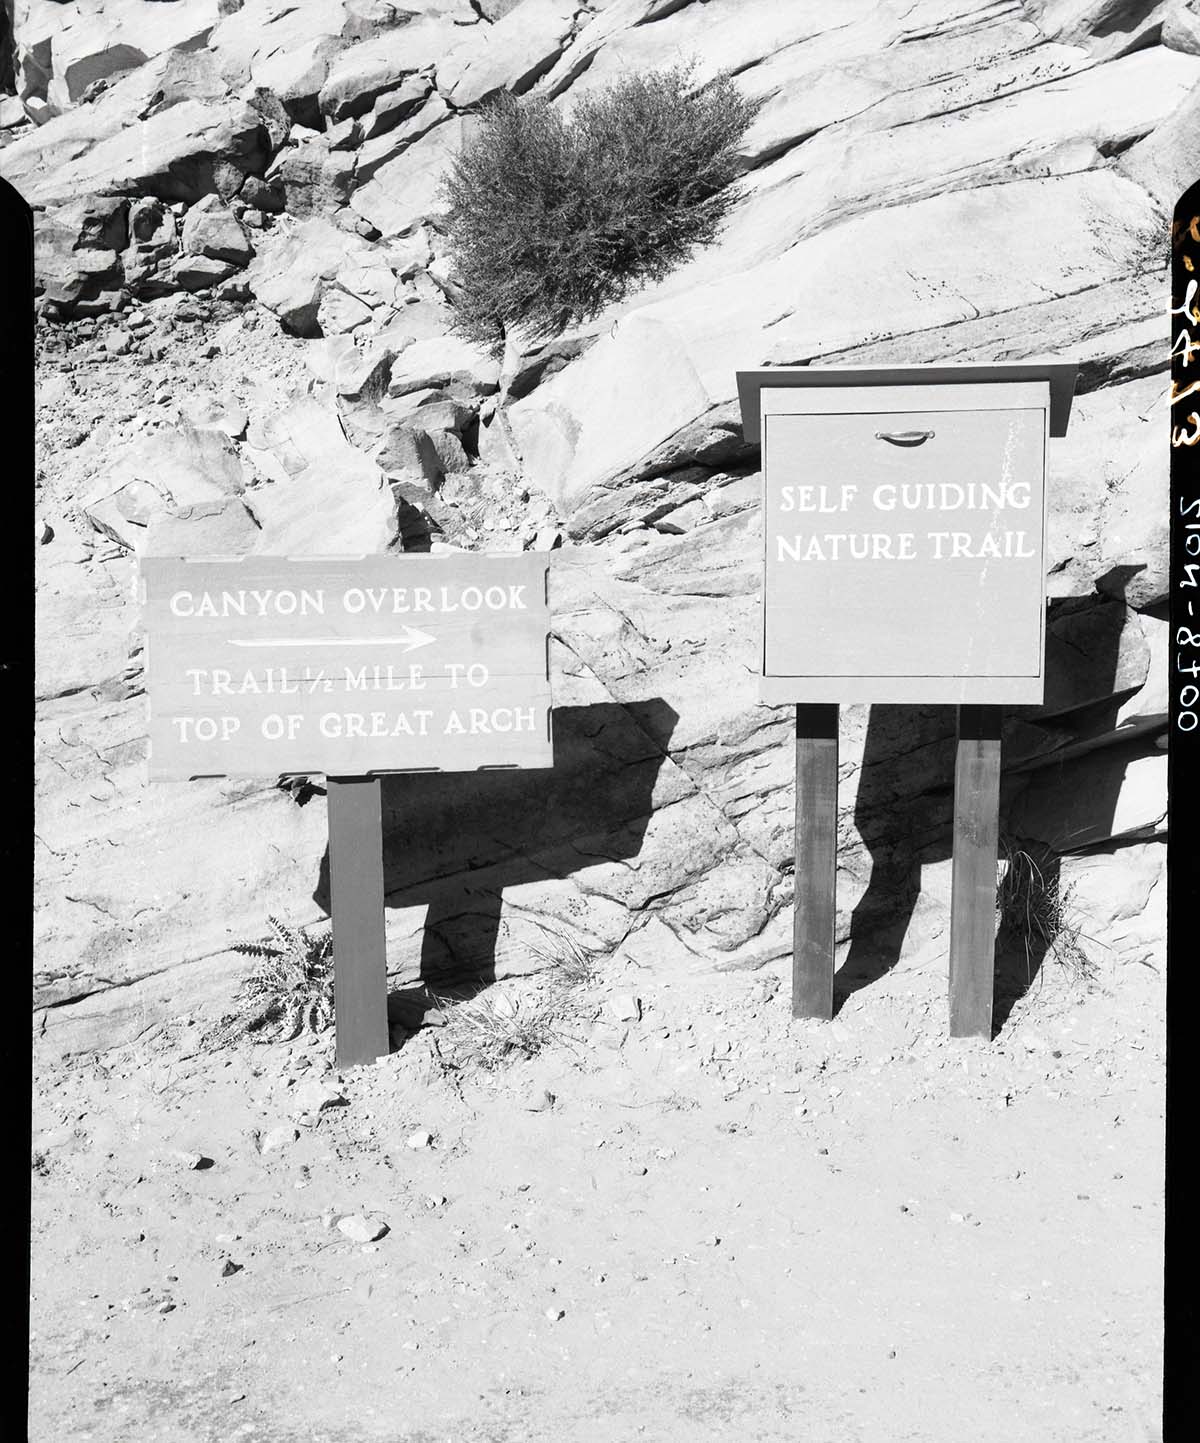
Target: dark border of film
point(1181, 1274)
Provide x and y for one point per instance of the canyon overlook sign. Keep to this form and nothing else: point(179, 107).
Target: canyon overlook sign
point(265, 666)
point(903, 532)
point(348, 667)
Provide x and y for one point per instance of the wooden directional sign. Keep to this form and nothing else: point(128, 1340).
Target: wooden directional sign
point(265, 666)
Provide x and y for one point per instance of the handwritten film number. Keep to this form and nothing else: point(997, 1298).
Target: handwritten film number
point(1187, 719)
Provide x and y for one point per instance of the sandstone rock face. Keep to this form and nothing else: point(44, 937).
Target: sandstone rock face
point(248, 347)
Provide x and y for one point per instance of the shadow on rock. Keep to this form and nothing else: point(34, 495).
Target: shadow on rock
point(903, 810)
point(455, 841)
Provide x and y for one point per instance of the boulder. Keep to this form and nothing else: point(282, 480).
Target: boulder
point(443, 361)
point(362, 372)
point(262, 195)
point(103, 39)
point(1095, 649)
point(280, 38)
point(1106, 28)
point(339, 313)
point(164, 474)
point(335, 500)
point(169, 128)
point(405, 192)
point(196, 273)
point(296, 74)
point(313, 179)
point(1164, 161)
point(211, 229)
point(363, 73)
point(449, 451)
point(394, 106)
point(406, 452)
point(292, 267)
point(1181, 27)
point(76, 245)
point(1117, 792)
point(224, 527)
point(509, 55)
point(386, 141)
point(1134, 551)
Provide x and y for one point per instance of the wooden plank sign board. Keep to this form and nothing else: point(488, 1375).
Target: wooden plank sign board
point(273, 665)
point(904, 543)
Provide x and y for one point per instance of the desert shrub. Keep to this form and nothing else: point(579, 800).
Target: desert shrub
point(550, 219)
point(290, 990)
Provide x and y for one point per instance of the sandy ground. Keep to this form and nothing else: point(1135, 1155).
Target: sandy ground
point(727, 1224)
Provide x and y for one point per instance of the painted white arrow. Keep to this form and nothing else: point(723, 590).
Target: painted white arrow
point(410, 641)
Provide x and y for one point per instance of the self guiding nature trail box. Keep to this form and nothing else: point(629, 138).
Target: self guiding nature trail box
point(904, 537)
point(903, 530)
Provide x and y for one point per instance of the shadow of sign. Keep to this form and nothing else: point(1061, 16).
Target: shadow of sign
point(903, 809)
point(453, 842)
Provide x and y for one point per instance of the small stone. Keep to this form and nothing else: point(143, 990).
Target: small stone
point(712, 1241)
point(555, 1315)
point(419, 1139)
point(192, 1160)
point(118, 344)
point(625, 1007)
point(957, 1218)
point(362, 1230)
point(278, 1137)
point(546, 538)
point(230, 1268)
point(167, 1308)
point(539, 1100)
point(45, 534)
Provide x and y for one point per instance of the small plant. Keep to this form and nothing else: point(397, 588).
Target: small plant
point(493, 1028)
point(489, 1030)
point(289, 992)
point(566, 961)
point(550, 219)
point(1034, 911)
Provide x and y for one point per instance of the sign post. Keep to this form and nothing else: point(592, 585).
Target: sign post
point(353, 667)
point(356, 913)
point(814, 919)
point(903, 529)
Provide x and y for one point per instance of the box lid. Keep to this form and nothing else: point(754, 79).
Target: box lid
point(1059, 375)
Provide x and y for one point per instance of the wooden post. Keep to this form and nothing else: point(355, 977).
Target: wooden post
point(356, 911)
point(973, 877)
point(816, 860)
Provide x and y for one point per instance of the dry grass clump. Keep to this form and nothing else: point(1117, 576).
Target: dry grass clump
point(495, 1027)
point(1035, 913)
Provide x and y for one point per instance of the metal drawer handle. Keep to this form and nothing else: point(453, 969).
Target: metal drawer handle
point(904, 438)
